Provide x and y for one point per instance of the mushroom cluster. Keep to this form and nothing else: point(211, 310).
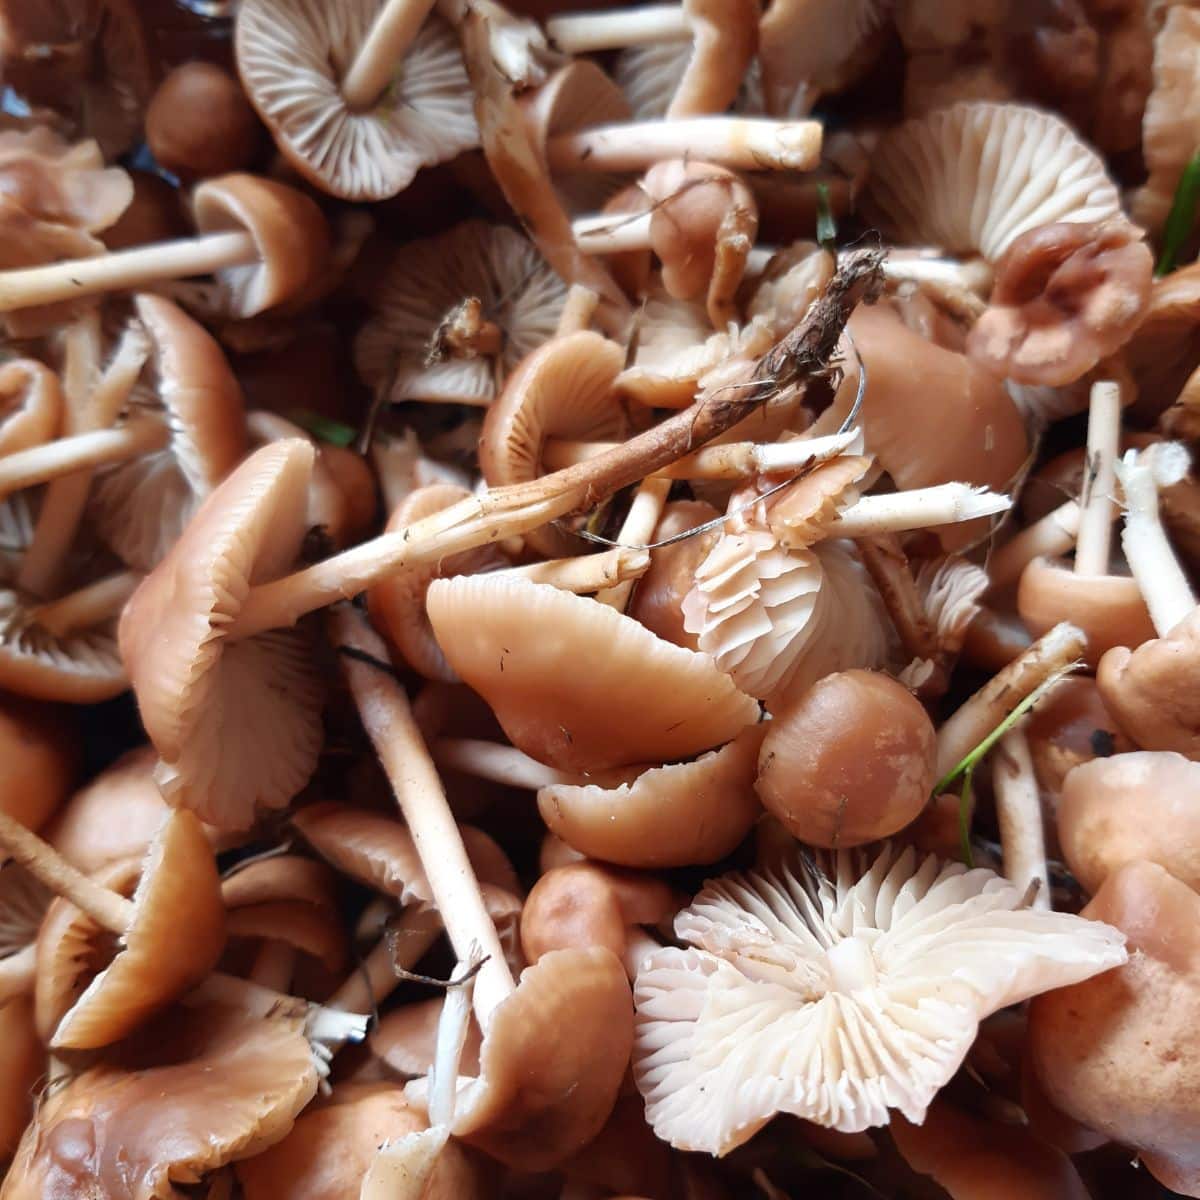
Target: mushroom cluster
point(599, 602)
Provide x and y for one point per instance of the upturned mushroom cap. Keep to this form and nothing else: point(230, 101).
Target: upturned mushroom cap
point(1144, 805)
point(576, 684)
point(1118, 1053)
point(291, 56)
point(237, 727)
point(975, 176)
point(670, 816)
point(290, 236)
point(798, 978)
point(1151, 690)
point(31, 405)
point(142, 506)
point(22, 1062)
point(37, 761)
point(174, 940)
point(235, 1086)
point(850, 761)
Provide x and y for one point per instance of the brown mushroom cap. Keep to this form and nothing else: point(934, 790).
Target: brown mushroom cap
point(1164, 351)
point(22, 1062)
point(237, 727)
point(234, 1088)
point(31, 405)
point(671, 816)
point(155, 214)
point(1118, 1052)
point(1144, 805)
point(850, 761)
point(406, 1039)
point(37, 760)
point(576, 684)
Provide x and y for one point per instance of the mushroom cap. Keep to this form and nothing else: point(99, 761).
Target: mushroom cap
point(1118, 1053)
point(397, 604)
point(837, 989)
point(155, 214)
point(37, 761)
point(313, 931)
point(1151, 690)
point(235, 1086)
point(31, 405)
point(273, 877)
point(237, 727)
point(142, 506)
point(1108, 608)
point(177, 935)
point(974, 176)
point(851, 760)
point(22, 1063)
point(577, 96)
point(1164, 351)
point(671, 816)
point(552, 1061)
point(563, 389)
point(1144, 805)
point(406, 1039)
point(290, 236)
point(576, 684)
point(493, 263)
point(291, 55)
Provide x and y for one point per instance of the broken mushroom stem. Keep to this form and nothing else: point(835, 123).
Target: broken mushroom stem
point(87, 606)
point(636, 530)
point(920, 508)
point(1097, 501)
point(1019, 814)
point(464, 332)
point(378, 58)
point(588, 32)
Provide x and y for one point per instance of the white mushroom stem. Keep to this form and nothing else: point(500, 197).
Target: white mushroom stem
point(921, 508)
point(274, 965)
point(612, 233)
point(1160, 578)
point(379, 57)
point(1019, 813)
point(385, 714)
point(497, 763)
point(88, 606)
point(636, 530)
point(739, 143)
point(587, 573)
point(82, 451)
point(452, 1028)
point(374, 979)
point(17, 973)
point(125, 269)
point(973, 276)
point(585, 33)
point(977, 717)
point(578, 310)
point(1050, 537)
point(1098, 507)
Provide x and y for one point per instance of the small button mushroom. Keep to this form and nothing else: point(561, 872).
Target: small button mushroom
point(38, 762)
point(1118, 1052)
point(200, 123)
point(848, 762)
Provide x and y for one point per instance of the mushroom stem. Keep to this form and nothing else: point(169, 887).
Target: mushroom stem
point(124, 269)
point(739, 143)
point(588, 32)
point(452, 1028)
point(1019, 813)
point(385, 714)
point(17, 972)
point(79, 452)
point(977, 717)
point(887, 564)
point(637, 529)
point(921, 508)
point(612, 233)
point(589, 572)
point(1160, 578)
point(974, 276)
point(1098, 507)
point(273, 965)
point(108, 909)
point(88, 606)
point(405, 943)
point(1050, 537)
point(377, 59)
point(577, 311)
point(497, 763)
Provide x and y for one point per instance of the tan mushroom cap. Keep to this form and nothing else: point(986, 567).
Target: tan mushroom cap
point(1108, 608)
point(850, 761)
point(31, 405)
point(397, 604)
point(143, 506)
point(302, 926)
point(175, 938)
point(975, 176)
point(1151, 690)
point(575, 97)
point(155, 214)
point(237, 727)
point(273, 877)
point(291, 55)
point(671, 816)
point(552, 1062)
point(38, 761)
point(22, 1064)
point(235, 1086)
point(406, 1039)
point(1164, 350)
point(563, 389)
point(1118, 1053)
point(290, 236)
point(1144, 805)
point(576, 684)
point(975, 1159)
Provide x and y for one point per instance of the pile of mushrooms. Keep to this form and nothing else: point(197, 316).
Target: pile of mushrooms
point(599, 603)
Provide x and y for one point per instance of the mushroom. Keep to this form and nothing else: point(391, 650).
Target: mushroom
point(837, 988)
point(327, 86)
point(21, 1064)
point(602, 692)
point(1118, 1052)
point(848, 761)
point(973, 177)
point(262, 240)
point(670, 816)
point(38, 761)
point(31, 405)
point(406, 1039)
point(23, 905)
point(199, 123)
point(519, 300)
point(1019, 815)
point(1162, 354)
point(1066, 295)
